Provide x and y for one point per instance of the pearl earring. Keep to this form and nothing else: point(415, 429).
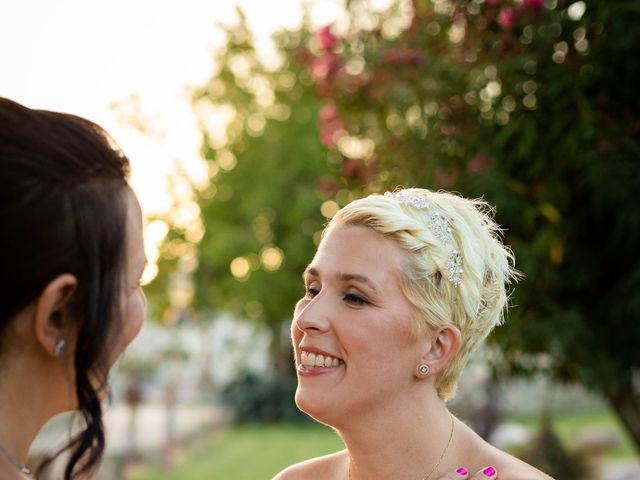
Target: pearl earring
point(423, 370)
point(60, 348)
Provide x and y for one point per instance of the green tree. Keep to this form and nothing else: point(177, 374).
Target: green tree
point(533, 105)
point(261, 210)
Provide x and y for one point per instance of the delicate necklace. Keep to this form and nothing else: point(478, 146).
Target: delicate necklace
point(435, 467)
point(22, 468)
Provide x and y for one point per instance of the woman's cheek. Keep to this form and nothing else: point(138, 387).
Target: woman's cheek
point(134, 310)
point(134, 316)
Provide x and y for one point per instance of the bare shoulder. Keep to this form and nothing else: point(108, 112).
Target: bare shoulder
point(480, 453)
point(512, 468)
point(319, 468)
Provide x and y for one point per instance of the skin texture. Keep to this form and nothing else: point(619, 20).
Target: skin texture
point(351, 311)
point(35, 384)
point(390, 418)
point(133, 300)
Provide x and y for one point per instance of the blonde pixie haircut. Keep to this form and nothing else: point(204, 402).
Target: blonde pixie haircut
point(477, 302)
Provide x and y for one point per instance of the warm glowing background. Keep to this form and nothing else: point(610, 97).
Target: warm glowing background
point(528, 103)
point(131, 67)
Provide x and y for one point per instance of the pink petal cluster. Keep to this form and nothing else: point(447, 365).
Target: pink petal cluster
point(330, 124)
point(324, 67)
point(327, 39)
point(506, 17)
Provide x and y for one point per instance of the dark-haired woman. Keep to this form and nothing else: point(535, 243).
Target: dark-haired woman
point(70, 297)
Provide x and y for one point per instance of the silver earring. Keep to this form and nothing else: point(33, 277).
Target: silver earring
point(423, 370)
point(60, 348)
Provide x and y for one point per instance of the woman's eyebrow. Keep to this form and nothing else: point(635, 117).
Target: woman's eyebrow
point(358, 278)
point(344, 277)
point(309, 271)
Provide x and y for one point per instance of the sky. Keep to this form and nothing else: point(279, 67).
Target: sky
point(111, 61)
point(85, 56)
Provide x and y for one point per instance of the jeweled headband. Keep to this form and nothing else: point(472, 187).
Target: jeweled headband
point(440, 227)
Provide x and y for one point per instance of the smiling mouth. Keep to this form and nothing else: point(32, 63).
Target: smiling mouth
point(314, 360)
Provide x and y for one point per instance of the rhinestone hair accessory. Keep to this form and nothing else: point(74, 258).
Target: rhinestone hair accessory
point(440, 227)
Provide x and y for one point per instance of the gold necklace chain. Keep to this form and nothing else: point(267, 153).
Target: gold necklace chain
point(444, 452)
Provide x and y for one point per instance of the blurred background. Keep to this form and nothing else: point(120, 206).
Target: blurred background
point(250, 123)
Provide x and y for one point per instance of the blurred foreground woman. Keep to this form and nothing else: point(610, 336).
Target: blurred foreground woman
point(403, 288)
point(70, 296)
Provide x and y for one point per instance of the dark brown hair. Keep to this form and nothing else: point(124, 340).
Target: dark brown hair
point(62, 210)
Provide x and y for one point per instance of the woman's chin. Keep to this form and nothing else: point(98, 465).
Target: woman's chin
point(320, 409)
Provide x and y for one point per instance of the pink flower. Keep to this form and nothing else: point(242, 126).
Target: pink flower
point(329, 113)
point(328, 40)
point(506, 18)
point(324, 67)
point(330, 125)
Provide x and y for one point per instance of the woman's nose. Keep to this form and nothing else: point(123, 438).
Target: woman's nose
point(313, 317)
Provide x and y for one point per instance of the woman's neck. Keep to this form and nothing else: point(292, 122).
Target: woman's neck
point(9, 470)
point(25, 406)
point(404, 441)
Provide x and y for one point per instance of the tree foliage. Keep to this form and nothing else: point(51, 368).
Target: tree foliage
point(534, 106)
point(531, 104)
point(261, 210)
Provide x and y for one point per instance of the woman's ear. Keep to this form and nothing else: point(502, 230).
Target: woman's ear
point(445, 344)
point(50, 323)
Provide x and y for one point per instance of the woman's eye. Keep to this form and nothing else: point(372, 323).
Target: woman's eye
point(355, 299)
point(311, 290)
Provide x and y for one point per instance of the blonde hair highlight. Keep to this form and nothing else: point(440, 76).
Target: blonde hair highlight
point(478, 304)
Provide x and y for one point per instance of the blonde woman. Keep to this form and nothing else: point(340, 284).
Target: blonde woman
point(403, 288)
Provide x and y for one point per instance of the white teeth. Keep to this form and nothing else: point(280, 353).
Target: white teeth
point(308, 359)
point(316, 360)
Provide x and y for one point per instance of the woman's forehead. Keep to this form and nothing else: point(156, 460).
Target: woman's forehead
point(359, 250)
